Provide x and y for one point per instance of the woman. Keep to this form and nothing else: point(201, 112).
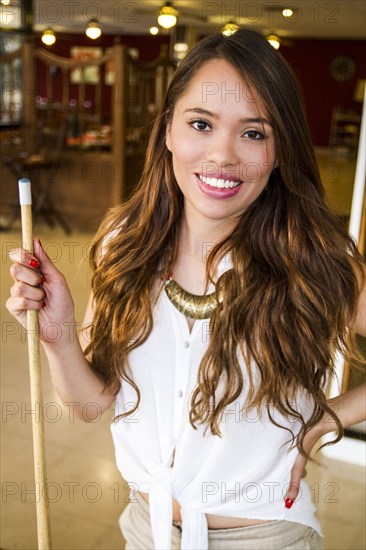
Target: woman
point(220, 292)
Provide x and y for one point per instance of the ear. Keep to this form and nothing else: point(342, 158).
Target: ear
point(168, 141)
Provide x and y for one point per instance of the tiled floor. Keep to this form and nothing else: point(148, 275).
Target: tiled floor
point(86, 491)
point(85, 488)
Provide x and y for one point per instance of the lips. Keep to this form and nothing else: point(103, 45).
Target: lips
point(219, 188)
point(220, 180)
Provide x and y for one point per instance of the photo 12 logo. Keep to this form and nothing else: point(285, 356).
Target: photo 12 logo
point(267, 12)
point(69, 12)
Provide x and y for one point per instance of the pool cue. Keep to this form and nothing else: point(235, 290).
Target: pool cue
point(34, 358)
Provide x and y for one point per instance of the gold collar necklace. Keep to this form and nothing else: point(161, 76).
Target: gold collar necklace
point(191, 305)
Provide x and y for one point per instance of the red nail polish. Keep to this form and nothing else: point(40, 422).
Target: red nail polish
point(43, 304)
point(42, 280)
point(289, 502)
point(34, 263)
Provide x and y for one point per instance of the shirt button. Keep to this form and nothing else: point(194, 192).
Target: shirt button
point(186, 344)
point(180, 393)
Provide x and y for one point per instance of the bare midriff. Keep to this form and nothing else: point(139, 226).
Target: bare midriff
point(213, 522)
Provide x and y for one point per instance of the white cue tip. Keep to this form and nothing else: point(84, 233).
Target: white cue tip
point(25, 195)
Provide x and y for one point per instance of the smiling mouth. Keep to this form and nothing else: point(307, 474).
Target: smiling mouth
point(219, 183)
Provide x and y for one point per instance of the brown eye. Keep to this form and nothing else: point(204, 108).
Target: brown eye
point(200, 125)
point(254, 134)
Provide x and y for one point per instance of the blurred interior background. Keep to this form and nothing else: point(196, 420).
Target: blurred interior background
point(81, 83)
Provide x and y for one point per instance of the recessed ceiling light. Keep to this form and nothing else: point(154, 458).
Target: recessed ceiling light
point(287, 12)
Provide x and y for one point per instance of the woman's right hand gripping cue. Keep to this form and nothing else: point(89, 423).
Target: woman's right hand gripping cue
point(38, 285)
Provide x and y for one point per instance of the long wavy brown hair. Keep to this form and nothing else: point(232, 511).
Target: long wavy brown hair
point(293, 292)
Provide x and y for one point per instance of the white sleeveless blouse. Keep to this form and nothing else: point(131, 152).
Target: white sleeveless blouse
point(243, 474)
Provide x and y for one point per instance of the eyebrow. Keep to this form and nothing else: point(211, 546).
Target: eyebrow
point(200, 111)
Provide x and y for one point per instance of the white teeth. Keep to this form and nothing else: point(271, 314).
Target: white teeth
point(220, 183)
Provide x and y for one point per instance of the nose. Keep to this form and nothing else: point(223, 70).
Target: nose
point(221, 152)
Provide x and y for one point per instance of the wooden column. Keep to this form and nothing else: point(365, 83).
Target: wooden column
point(119, 113)
point(29, 95)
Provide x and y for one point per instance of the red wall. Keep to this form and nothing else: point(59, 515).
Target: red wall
point(311, 61)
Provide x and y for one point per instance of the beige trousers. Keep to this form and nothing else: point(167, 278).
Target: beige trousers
point(276, 535)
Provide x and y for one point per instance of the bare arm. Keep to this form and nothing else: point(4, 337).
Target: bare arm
point(74, 380)
point(350, 407)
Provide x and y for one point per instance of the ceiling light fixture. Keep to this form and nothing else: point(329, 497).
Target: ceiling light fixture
point(93, 29)
point(229, 28)
point(154, 30)
point(168, 16)
point(48, 37)
point(5, 2)
point(287, 12)
point(274, 41)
